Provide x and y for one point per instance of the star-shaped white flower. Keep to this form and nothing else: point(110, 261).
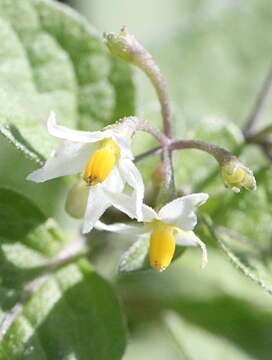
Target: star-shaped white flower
point(174, 223)
point(105, 160)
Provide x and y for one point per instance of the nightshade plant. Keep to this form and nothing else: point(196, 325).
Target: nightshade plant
point(110, 166)
point(54, 66)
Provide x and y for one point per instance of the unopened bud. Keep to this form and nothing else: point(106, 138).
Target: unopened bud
point(159, 174)
point(236, 175)
point(125, 46)
point(76, 201)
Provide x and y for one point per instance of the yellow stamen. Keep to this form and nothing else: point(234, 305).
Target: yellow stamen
point(162, 246)
point(101, 162)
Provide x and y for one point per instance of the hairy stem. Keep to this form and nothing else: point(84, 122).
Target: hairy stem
point(216, 151)
point(145, 125)
point(128, 48)
point(154, 73)
point(242, 239)
point(135, 124)
point(259, 105)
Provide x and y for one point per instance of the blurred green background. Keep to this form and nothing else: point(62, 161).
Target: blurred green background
point(214, 55)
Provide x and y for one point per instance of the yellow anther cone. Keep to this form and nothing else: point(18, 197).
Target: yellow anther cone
point(101, 163)
point(161, 248)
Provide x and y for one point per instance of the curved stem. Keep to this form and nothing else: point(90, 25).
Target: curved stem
point(133, 123)
point(216, 151)
point(154, 73)
point(145, 125)
point(128, 48)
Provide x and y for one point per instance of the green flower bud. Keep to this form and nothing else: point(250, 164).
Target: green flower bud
point(125, 46)
point(76, 201)
point(236, 175)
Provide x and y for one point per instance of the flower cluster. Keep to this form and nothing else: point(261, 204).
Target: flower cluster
point(109, 176)
point(105, 162)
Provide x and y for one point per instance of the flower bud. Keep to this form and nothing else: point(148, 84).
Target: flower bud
point(236, 175)
point(125, 46)
point(76, 201)
point(159, 174)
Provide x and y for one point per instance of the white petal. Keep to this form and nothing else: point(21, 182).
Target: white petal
point(149, 213)
point(96, 206)
point(133, 177)
point(63, 132)
point(125, 148)
point(122, 202)
point(114, 182)
point(126, 204)
point(69, 158)
point(181, 211)
point(121, 228)
point(184, 236)
point(186, 239)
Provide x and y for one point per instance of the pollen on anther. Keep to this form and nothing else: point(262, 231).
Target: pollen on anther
point(162, 248)
point(101, 163)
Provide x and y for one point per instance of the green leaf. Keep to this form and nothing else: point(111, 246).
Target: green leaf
point(28, 243)
point(28, 240)
point(22, 221)
point(51, 306)
point(74, 314)
point(256, 265)
point(14, 168)
point(51, 59)
point(18, 215)
point(136, 257)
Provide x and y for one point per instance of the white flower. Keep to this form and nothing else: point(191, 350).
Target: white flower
point(105, 159)
point(174, 223)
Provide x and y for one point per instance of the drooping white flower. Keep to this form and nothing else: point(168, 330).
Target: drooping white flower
point(105, 160)
point(173, 224)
